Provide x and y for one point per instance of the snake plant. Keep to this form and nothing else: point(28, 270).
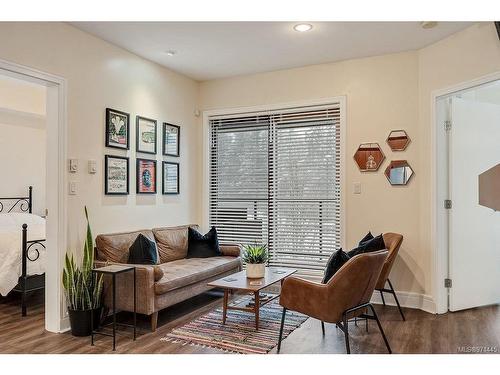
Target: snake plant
point(255, 254)
point(83, 288)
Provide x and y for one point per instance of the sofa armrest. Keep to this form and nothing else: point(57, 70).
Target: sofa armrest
point(146, 276)
point(230, 250)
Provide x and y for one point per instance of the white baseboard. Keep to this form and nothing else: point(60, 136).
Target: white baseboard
point(407, 299)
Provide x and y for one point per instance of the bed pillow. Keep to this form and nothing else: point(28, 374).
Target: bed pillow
point(375, 244)
point(203, 246)
point(142, 251)
point(335, 262)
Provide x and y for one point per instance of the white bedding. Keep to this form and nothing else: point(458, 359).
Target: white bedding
point(11, 248)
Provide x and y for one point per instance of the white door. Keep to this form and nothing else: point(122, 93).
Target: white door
point(474, 252)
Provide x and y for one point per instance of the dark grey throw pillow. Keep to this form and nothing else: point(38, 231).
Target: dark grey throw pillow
point(375, 244)
point(369, 236)
point(203, 246)
point(335, 262)
point(143, 251)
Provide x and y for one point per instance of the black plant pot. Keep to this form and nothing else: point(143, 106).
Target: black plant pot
point(80, 321)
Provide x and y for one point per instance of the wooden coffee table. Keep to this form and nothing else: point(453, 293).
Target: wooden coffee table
point(240, 282)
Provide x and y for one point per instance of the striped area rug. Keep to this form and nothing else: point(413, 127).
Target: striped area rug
point(238, 335)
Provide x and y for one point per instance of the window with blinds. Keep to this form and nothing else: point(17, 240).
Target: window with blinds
point(275, 179)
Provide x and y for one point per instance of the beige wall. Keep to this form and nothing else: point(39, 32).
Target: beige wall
point(383, 93)
point(100, 75)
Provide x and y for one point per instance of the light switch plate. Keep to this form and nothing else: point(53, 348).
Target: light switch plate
point(92, 166)
point(72, 188)
point(357, 187)
point(73, 165)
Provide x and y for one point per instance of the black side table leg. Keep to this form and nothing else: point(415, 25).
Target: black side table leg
point(135, 305)
point(114, 312)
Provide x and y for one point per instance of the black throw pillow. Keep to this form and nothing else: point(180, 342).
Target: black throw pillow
point(369, 236)
point(375, 244)
point(336, 261)
point(203, 246)
point(143, 251)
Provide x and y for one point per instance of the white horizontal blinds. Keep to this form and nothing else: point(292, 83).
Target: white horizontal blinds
point(275, 179)
point(239, 179)
point(304, 175)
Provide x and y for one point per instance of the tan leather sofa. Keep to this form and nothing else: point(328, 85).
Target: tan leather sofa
point(174, 279)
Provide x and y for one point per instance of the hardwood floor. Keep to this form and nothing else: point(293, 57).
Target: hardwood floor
point(421, 333)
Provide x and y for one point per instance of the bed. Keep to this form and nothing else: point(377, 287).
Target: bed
point(22, 248)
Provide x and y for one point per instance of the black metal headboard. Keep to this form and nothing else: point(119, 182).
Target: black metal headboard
point(22, 204)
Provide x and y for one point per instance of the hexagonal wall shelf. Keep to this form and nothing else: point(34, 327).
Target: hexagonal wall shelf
point(398, 172)
point(369, 157)
point(398, 140)
point(489, 186)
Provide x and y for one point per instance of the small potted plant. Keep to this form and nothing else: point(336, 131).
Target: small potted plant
point(255, 258)
point(83, 289)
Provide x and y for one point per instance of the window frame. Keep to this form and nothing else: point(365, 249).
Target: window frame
point(208, 115)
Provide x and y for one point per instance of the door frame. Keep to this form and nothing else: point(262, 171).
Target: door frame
point(56, 319)
point(439, 191)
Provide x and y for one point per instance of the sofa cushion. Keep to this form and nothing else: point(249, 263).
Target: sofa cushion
point(115, 247)
point(172, 242)
point(203, 245)
point(183, 272)
point(143, 251)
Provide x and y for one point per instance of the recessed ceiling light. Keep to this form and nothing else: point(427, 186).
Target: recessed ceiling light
point(301, 27)
point(428, 24)
point(170, 52)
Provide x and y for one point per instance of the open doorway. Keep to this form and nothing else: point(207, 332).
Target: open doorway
point(23, 144)
point(468, 176)
point(33, 136)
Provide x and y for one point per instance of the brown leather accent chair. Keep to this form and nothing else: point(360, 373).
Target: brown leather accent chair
point(346, 295)
point(392, 244)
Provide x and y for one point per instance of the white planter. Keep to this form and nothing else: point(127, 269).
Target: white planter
point(256, 271)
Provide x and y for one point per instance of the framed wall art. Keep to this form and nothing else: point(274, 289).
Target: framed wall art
point(170, 177)
point(171, 139)
point(145, 135)
point(117, 129)
point(369, 157)
point(116, 175)
point(146, 176)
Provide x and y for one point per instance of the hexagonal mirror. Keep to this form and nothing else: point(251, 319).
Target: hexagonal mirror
point(489, 186)
point(398, 172)
point(369, 157)
point(398, 140)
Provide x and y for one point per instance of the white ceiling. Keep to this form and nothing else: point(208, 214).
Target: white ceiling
point(210, 50)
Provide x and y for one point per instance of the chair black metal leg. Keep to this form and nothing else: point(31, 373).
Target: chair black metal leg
point(281, 329)
point(323, 327)
point(382, 295)
point(396, 298)
point(346, 334)
point(366, 324)
point(380, 328)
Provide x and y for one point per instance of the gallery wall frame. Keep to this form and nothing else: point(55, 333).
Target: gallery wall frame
point(116, 175)
point(170, 178)
point(146, 180)
point(171, 139)
point(117, 129)
point(145, 135)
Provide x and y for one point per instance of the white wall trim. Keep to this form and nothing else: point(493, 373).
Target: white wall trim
point(407, 299)
point(56, 200)
point(208, 114)
point(439, 230)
